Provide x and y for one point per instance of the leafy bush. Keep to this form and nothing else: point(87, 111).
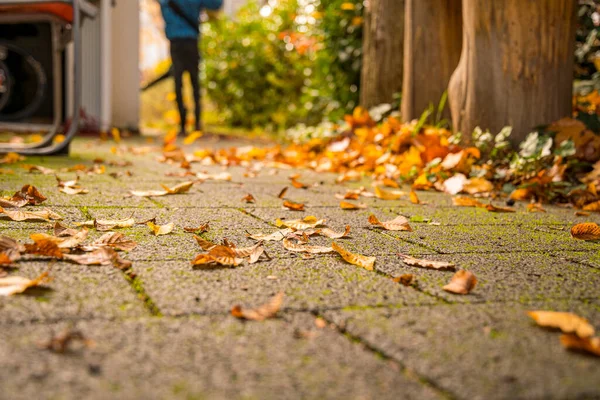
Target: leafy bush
point(588, 34)
point(288, 62)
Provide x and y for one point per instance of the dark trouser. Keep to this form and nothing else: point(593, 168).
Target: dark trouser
point(185, 56)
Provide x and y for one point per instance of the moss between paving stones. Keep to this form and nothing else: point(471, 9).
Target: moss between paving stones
point(488, 351)
point(204, 357)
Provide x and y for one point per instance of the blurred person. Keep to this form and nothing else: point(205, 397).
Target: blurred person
point(183, 32)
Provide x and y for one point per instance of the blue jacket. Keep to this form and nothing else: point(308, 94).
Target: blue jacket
point(175, 26)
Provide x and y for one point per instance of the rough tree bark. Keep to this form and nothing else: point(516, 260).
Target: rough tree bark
point(432, 46)
point(516, 66)
point(381, 75)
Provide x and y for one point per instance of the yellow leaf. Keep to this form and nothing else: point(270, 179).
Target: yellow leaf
point(414, 198)
point(349, 206)
point(161, 229)
point(586, 231)
point(383, 194)
point(565, 321)
point(355, 259)
point(192, 137)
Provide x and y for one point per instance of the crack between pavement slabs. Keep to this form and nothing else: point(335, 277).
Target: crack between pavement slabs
point(409, 373)
point(136, 284)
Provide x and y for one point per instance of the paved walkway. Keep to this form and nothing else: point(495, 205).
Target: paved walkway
point(164, 329)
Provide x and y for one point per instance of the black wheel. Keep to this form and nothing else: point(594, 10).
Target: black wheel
point(24, 81)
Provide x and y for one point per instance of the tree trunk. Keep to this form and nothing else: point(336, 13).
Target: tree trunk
point(432, 44)
point(381, 75)
point(516, 66)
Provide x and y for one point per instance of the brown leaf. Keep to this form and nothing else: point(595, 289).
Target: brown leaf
point(399, 223)
point(293, 206)
point(414, 198)
point(43, 247)
point(11, 248)
point(65, 242)
point(159, 230)
point(61, 342)
point(586, 231)
point(349, 206)
point(268, 310)
point(19, 215)
point(350, 195)
point(461, 283)
point(383, 194)
point(303, 248)
point(101, 256)
point(478, 185)
point(38, 168)
point(355, 259)
point(249, 198)
point(587, 345)
point(201, 229)
point(218, 254)
point(439, 265)
point(331, 234)
point(115, 240)
point(107, 225)
point(62, 231)
point(204, 244)
point(16, 284)
point(405, 279)
point(283, 192)
point(493, 208)
point(27, 195)
point(5, 259)
point(463, 201)
point(565, 321)
point(582, 214)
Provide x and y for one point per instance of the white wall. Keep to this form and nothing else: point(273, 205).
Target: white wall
point(125, 42)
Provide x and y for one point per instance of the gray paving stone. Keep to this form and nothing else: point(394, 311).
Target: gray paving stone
point(327, 282)
point(76, 292)
point(216, 358)
point(519, 277)
point(481, 351)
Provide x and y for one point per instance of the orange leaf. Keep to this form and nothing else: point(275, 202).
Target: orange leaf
point(586, 231)
point(565, 321)
point(461, 283)
point(588, 345)
point(349, 206)
point(463, 201)
point(493, 208)
point(249, 198)
point(268, 310)
point(399, 223)
point(414, 198)
point(355, 259)
point(293, 206)
point(595, 206)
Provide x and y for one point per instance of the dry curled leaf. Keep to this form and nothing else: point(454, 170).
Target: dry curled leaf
point(43, 246)
point(399, 223)
point(38, 168)
point(439, 265)
point(61, 342)
point(27, 195)
point(493, 208)
point(282, 193)
point(73, 190)
point(288, 244)
point(355, 259)
point(178, 189)
point(293, 206)
point(159, 230)
point(414, 198)
point(298, 185)
point(586, 345)
point(64, 242)
point(20, 215)
point(582, 214)
point(268, 310)
point(461, 283)
point(595, 206)
point(344, 205)
point(201, 229)
point(107, 224)
point(300, 224)
point(248, 198)
point(115, 240)
point(565, 321)
point(11, 248)
point(463, 201)
point(16, 284)
point(271, 237)
point(383, 194)
point(535, 207)
point(586, 231)
point(101, 256)
point(331, 234)
point(405, 279)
